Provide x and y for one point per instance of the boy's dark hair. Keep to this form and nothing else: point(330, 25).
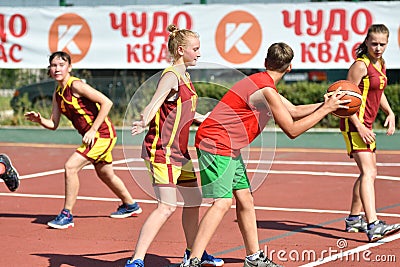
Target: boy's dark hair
point(279, 57)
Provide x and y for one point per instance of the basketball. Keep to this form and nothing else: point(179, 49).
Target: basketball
point(352, 92)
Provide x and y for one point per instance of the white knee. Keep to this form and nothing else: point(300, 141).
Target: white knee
point(166, 210)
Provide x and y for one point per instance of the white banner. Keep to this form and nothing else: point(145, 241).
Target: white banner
point(323, 36)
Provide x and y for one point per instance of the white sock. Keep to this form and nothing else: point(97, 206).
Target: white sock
point(254, 256)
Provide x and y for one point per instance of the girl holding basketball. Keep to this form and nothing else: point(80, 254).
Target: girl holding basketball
point(369, 72)
point(169, 115)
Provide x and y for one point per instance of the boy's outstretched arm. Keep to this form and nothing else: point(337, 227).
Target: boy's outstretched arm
point(293, 128)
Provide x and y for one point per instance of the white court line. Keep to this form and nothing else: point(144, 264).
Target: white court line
point(324, 163)
point(40, 174)
point(316, 263)
point(106, 199)
point(282, 162)
point(180, 203)
point(288, 162)
point(347, 253)
point(334, 174)
point(312, 173)
point(345, 212)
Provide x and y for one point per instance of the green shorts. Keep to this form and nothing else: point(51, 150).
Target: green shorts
point(220, 175)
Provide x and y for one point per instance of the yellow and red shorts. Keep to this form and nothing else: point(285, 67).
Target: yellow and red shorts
point(168, 174)
point(355, 144)
point(100, 152)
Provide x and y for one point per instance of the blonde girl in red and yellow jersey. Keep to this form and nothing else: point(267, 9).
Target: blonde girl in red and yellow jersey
point(169, 115)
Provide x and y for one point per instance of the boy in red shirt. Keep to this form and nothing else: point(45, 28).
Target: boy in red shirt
point(233, 124)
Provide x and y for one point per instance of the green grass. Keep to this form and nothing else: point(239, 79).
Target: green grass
point(18, 119)
point(5, 103)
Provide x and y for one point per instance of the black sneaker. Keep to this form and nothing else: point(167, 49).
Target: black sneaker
point(10, 176)
point(261, 261)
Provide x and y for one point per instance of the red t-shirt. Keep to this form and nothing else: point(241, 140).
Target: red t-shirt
point(234, 123)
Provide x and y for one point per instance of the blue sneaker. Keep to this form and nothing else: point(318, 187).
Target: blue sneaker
point(135, 263)
point(10, 176)
point(127, 210)
point(206, 259)
point(63, 221)
point(210, 260)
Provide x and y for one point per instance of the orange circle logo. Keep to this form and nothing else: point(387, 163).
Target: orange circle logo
point(238, 37)
point(70, 33)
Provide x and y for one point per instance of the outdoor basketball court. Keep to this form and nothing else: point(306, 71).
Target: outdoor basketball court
point(300, 210)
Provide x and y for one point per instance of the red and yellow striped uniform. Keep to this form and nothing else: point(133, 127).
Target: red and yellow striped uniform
point(372, 87)
point(82, 112)
point(165, 147)
point(168, 135)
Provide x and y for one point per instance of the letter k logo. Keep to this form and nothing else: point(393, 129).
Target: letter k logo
point(70, 33)
point(234, 35)
point(238, 37)
point(66, 37)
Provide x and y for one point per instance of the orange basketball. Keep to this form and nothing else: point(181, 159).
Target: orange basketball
point(352, 92)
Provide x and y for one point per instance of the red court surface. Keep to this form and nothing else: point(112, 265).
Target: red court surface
point(300, 210)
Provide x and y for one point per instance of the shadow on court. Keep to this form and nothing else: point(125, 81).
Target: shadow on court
point(88, 260)
point(43, 219)
point(292, 227)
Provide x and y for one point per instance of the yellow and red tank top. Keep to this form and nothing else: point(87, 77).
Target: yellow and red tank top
point(168, 135)
point(372, 87)
point(234, 123)
point(81, 111)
